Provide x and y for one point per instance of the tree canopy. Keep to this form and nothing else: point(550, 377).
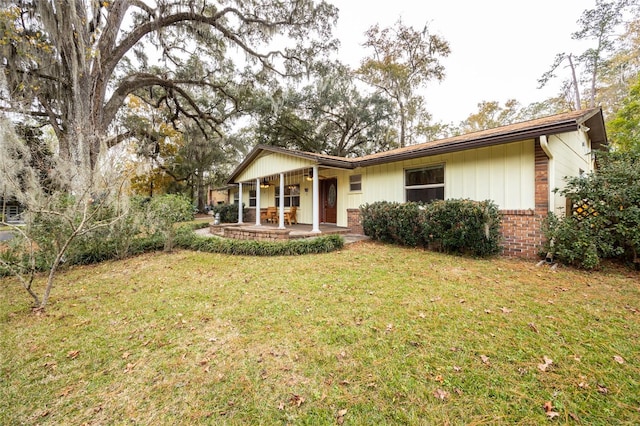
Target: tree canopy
point(72, 64)
point(330, 115)
point(600, 26)
point(403, 59)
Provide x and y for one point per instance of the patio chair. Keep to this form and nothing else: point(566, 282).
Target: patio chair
point(290, 216)
point(272, 214)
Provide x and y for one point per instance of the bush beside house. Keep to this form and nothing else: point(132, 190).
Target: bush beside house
point(603, 219)
point(451, 226)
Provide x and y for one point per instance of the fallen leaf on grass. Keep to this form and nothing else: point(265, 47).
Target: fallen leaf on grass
point(66, 391)
point(506, 310)
point(485, 359)
point(340, 416)
point(73, 354)
point(296, 400)
point(602, 389)
point(534, 328)
point(548, 409)
point(126, 355)
point(547, 362)
point(618, 359)
point(441, 394)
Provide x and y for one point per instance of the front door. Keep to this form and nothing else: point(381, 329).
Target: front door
point(329, 201)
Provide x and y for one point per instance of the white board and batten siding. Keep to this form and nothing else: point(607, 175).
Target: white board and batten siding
point(504, 174)
point(571, 155)
point(270, 164)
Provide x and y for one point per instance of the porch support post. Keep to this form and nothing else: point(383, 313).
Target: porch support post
point(257, 201)
point(281, 206)
point(240, 203)
point(316, 200)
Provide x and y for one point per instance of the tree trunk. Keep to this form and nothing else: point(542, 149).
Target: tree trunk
point(200, 187)
point(576, 88)
point(403, 123)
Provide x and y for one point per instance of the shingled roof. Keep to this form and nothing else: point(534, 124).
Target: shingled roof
point(592, 119)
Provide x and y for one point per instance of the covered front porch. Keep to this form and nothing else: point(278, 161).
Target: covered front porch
point(283, 199)
point(282, 187)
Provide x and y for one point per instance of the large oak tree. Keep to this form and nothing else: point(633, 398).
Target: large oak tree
point(73, 63)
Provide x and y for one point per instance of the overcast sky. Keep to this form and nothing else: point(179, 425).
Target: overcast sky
point(499, 48)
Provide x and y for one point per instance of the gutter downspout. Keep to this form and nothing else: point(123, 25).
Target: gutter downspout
point(544, 144)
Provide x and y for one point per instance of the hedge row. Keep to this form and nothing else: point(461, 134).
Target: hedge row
point(451, 226)
point(187, 239)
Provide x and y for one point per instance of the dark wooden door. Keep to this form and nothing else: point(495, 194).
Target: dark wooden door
point(329, 201)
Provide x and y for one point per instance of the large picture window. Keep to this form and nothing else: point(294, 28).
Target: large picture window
point(424, 184)
point(291, 196)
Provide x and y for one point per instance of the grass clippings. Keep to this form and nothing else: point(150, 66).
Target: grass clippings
point(371, 334)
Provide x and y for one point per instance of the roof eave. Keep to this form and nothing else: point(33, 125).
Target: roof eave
point(472, 143)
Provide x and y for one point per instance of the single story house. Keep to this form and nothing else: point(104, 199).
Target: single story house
point(516, 166)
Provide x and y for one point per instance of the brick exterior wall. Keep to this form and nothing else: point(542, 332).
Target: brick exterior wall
point(353, 221)
point(249, 215)
point(522, 229)
point(521, 233)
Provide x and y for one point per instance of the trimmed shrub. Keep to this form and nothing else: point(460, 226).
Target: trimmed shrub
point(228, 212)
point(452, 226)
point(187, 239)
point(393, 222)
point(463, 226)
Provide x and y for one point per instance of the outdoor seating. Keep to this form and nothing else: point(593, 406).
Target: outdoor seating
point(272, 214)
point(290, 216)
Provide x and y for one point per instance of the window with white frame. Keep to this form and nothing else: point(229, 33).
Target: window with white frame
point(252, 198)
point(424, 184)
point(291, 196)
point(236, 196)
point(355, 183)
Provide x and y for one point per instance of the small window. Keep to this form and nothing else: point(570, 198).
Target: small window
point(291, 196)
point(355, 183)
point(425, 184)
point(236, 196)
point(252, 198)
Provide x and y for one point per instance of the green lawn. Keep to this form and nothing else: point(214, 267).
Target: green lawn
point(372, 334)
